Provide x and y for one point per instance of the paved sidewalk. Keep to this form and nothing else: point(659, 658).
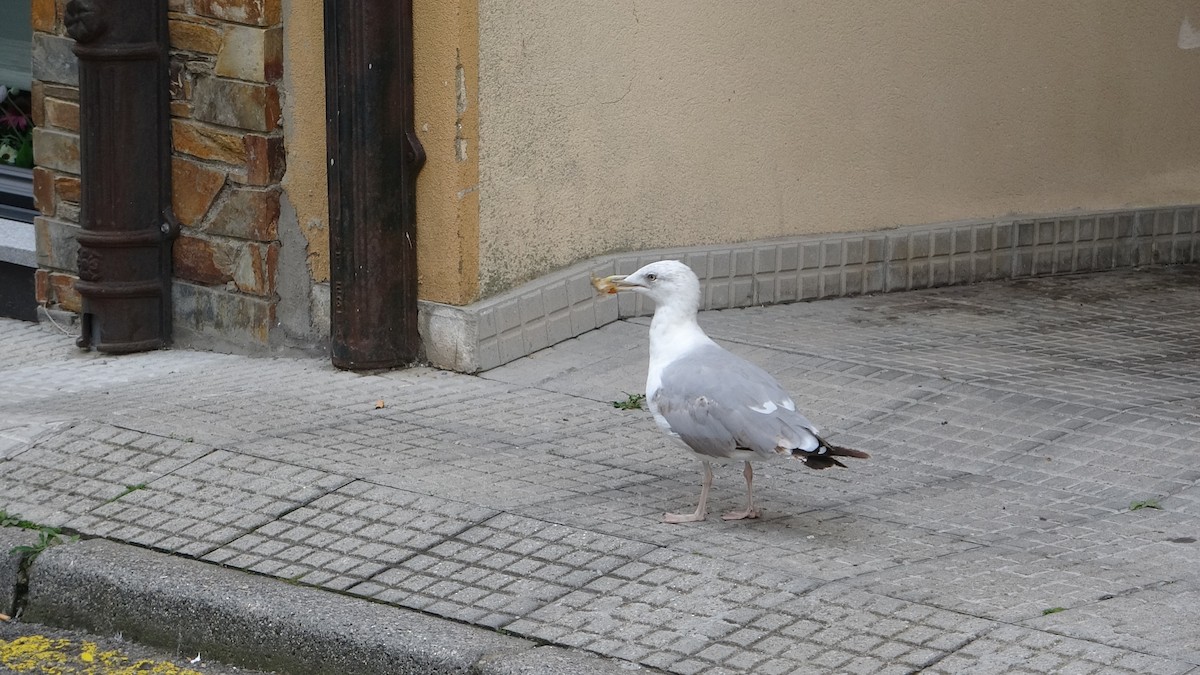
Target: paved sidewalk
point(1011, 426)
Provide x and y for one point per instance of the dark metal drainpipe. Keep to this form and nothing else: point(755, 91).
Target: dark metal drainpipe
point(125, 173)
point(374, 157)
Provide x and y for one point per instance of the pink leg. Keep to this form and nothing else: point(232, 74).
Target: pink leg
point(701, 508)
point(750, 511)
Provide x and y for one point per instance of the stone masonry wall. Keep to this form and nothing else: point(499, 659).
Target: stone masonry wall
point(227, 164)
point(56, 156)
point(226, 62)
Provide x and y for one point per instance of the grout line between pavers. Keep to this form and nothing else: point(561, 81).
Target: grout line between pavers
point(1021, 624)
point(951, 379)
point(211, 451)
point(503, 628)
point(278, 517)
point(975, 638)
point(418, 551)
point(838, 582)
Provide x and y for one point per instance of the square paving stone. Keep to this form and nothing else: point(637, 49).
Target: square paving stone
point(1003, 584)
point(1163, 620)
point(1111, 460)
point(1163, 542)
point(785, 494)
point(685, 611)
point(349, 535)
point(1015, 649)
point(65, 477)
point(501, 569)
point(210, 502)
point(983, 509)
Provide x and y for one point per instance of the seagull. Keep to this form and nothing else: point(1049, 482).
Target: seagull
point(719, 405)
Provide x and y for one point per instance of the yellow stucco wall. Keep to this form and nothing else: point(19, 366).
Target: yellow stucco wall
point(303, 105)
point(446, 73)
point(625, 124)
point(445, 64)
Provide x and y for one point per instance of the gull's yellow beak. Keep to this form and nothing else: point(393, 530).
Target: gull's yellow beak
point(611, 284)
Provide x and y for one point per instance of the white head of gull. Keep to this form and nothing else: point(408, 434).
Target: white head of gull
point(720, 406)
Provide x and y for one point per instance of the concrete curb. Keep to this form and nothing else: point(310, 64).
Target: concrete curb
point(10, 565)
point(257, 622)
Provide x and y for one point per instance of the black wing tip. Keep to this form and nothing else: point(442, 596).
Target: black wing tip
point(824, 460)
point(819, 462)
point(848, 452)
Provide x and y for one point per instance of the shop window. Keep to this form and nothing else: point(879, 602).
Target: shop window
point(16, 119)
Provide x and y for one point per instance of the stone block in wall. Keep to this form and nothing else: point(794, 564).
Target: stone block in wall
point(179, 86)
point(256, 268)
point(63, 292)
point(57, 288)
point(207, 142)
point(192, 36)
point(53, 60)
point(37, 104)
point(56, 245)
point(249, 12)
point(42, 91)
point(57, 150)
point(61, 114)
point(194, 187)
point(66, 189)
point(204, 260)
point(51, 191)
point(258, 158)
point(232, 103)
point(180, 109)
point(249, 53)
point(41, 286)
point(43, 190)
point(214, 314)
point(44, 15)
point(65, 92)
point(67, 211)
point(265, 159)
point(247, 213)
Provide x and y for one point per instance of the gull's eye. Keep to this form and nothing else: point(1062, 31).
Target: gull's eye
point(651, 277)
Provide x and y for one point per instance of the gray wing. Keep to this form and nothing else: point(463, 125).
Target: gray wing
point(718, 403)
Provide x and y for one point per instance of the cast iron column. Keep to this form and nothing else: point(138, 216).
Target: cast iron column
point(125, 173)
point(374, 157)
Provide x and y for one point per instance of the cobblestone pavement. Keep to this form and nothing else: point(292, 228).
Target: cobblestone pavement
point(1014, 428)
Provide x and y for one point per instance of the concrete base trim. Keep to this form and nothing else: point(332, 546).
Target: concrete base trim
point(563, 305)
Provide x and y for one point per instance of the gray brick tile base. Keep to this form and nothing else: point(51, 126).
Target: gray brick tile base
point(562, 305)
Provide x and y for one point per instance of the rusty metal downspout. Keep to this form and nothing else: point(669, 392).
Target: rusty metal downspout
point(374, 157)
point(125, 173)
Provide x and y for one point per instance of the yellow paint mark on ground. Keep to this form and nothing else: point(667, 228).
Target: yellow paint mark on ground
point(46, 656)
